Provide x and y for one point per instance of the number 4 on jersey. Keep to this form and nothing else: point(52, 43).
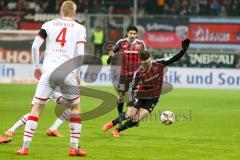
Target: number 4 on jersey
point(61, 38)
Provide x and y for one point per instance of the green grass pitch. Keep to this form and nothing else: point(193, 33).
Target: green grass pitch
point(207, 127)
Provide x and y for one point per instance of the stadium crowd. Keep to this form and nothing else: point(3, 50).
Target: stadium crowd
point(156, 7)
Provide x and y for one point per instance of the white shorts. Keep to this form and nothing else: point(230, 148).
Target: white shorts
point(68, 87)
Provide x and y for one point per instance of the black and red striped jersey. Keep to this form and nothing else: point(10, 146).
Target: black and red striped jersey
point(130, 55)
point(148, 83)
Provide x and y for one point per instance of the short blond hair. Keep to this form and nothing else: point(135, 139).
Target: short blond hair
point(68, 8)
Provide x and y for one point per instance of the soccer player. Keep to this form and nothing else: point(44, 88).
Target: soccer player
point(129, 50)
point(147, 83)
point(53, 129)
point(65, 40)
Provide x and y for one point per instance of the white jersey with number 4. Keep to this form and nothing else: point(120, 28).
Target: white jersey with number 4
point(62, 39)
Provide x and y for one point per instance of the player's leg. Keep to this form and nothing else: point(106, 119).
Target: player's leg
point(120, 102)
point(64, 116)
point(53, 129)
point(141, 114)
point(70, 91)
point(41, 97)
point(22, 121)
point(131, 112)
point(123, 116)
point(145, 107)
point(75, 131)
point(123, 87)
point(30, 128)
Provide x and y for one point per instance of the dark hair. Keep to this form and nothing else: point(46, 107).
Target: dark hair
point(132, 28)
point(144, 55)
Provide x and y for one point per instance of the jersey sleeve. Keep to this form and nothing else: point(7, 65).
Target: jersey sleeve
point(144, 46)
point(82, 36)
point(170, 60)
point(116, 47)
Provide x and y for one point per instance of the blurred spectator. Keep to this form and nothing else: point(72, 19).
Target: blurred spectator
point(98, 40)
point(204, 7)
point(234, 9)
point(47, 6)
point(184, 7)
point(82, 6)
point(194, 7)
point(215, 7)
point(153, 7)
point(223, 12)
point(95, 6)
point(3, 5)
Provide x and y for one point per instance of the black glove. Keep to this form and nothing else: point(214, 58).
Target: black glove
point(185, 44)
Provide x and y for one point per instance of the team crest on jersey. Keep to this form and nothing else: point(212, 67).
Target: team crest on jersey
point(125, 46)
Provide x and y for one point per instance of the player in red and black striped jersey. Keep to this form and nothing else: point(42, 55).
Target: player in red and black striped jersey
point(129, 49)
point(147, 86)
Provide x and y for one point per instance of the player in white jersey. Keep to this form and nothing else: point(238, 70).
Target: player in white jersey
point(65, 40)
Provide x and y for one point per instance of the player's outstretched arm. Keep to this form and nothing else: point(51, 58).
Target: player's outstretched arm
point(176, 57)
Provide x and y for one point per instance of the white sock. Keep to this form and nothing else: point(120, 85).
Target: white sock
point(65, 116)
point(75, 130)
point(56, 124)
point(19, 123)
point(30, 127)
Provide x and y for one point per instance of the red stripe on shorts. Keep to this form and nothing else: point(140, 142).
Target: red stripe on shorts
point(43, 99)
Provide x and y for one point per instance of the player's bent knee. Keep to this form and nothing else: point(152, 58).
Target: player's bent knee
point(131, 112)
point(142, 113)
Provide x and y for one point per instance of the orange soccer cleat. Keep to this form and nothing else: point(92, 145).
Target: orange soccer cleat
point(54, 133)
point(4, 139)
point(77, 152)
point(9, 133)
point(22, 151)
point(115, 133)
point(107, 126)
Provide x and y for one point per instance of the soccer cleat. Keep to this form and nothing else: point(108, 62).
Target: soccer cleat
point(9, 133)
point(115, 133)
point(77, 152)
point(107, 126)
point(4, 139)
point(54, 133)
point(22, 151)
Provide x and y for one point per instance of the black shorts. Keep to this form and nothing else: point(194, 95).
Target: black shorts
point(123, 84)
point(147, 104)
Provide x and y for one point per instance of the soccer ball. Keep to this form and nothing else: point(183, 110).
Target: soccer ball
point(167, 117)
